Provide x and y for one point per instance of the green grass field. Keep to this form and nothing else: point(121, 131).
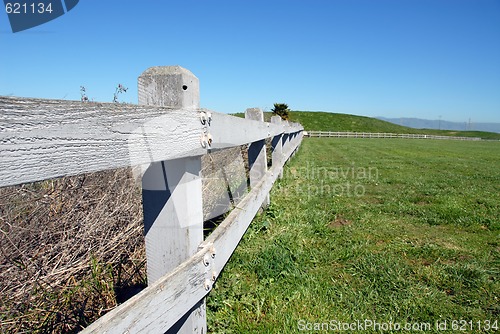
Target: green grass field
point(401, 231)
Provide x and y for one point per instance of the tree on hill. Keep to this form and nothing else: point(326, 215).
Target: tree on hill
point(281, 109)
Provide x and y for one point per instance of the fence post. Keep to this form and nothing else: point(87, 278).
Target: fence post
point(287, 140)
point(172, 191)
point(277, 146)
point(257, 158)
point(294, 141)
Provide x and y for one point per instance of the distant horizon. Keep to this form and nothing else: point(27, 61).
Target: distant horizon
point(435, 124)
point(403, 117)
point(441, 124)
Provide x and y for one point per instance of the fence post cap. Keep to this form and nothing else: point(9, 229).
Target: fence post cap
point(255, 114)
point(166, 70)
point(276, 119)
point(169, 86)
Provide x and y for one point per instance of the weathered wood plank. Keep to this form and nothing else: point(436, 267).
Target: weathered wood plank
point(42, 139)
point(228, 131)
point(162, 304)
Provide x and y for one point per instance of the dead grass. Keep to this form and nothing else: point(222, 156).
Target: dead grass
point(69, 248)
point(225, 175)
point(72, 248)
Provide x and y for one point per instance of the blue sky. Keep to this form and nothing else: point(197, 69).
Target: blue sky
point(393, 58)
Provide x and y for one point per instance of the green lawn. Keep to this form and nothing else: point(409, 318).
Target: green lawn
point(384, 230)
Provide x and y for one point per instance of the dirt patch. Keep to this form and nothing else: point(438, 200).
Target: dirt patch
point(339, 222)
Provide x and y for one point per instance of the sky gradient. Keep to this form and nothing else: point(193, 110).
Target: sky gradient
point(392, 58)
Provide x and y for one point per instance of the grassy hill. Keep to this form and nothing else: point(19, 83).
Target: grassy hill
point(325, 121)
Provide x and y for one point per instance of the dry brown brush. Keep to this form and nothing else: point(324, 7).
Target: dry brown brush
point(72, 248)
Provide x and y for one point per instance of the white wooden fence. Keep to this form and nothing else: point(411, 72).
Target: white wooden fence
point(166, 134)
point(382, 135)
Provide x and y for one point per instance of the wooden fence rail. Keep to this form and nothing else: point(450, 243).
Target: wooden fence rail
point(382, 135)
point(165, 135)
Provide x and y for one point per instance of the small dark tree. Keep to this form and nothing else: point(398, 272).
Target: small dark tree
point(281, 109)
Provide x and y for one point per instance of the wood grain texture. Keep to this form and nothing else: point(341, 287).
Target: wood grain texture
point(42, 139)
point(162, 304)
